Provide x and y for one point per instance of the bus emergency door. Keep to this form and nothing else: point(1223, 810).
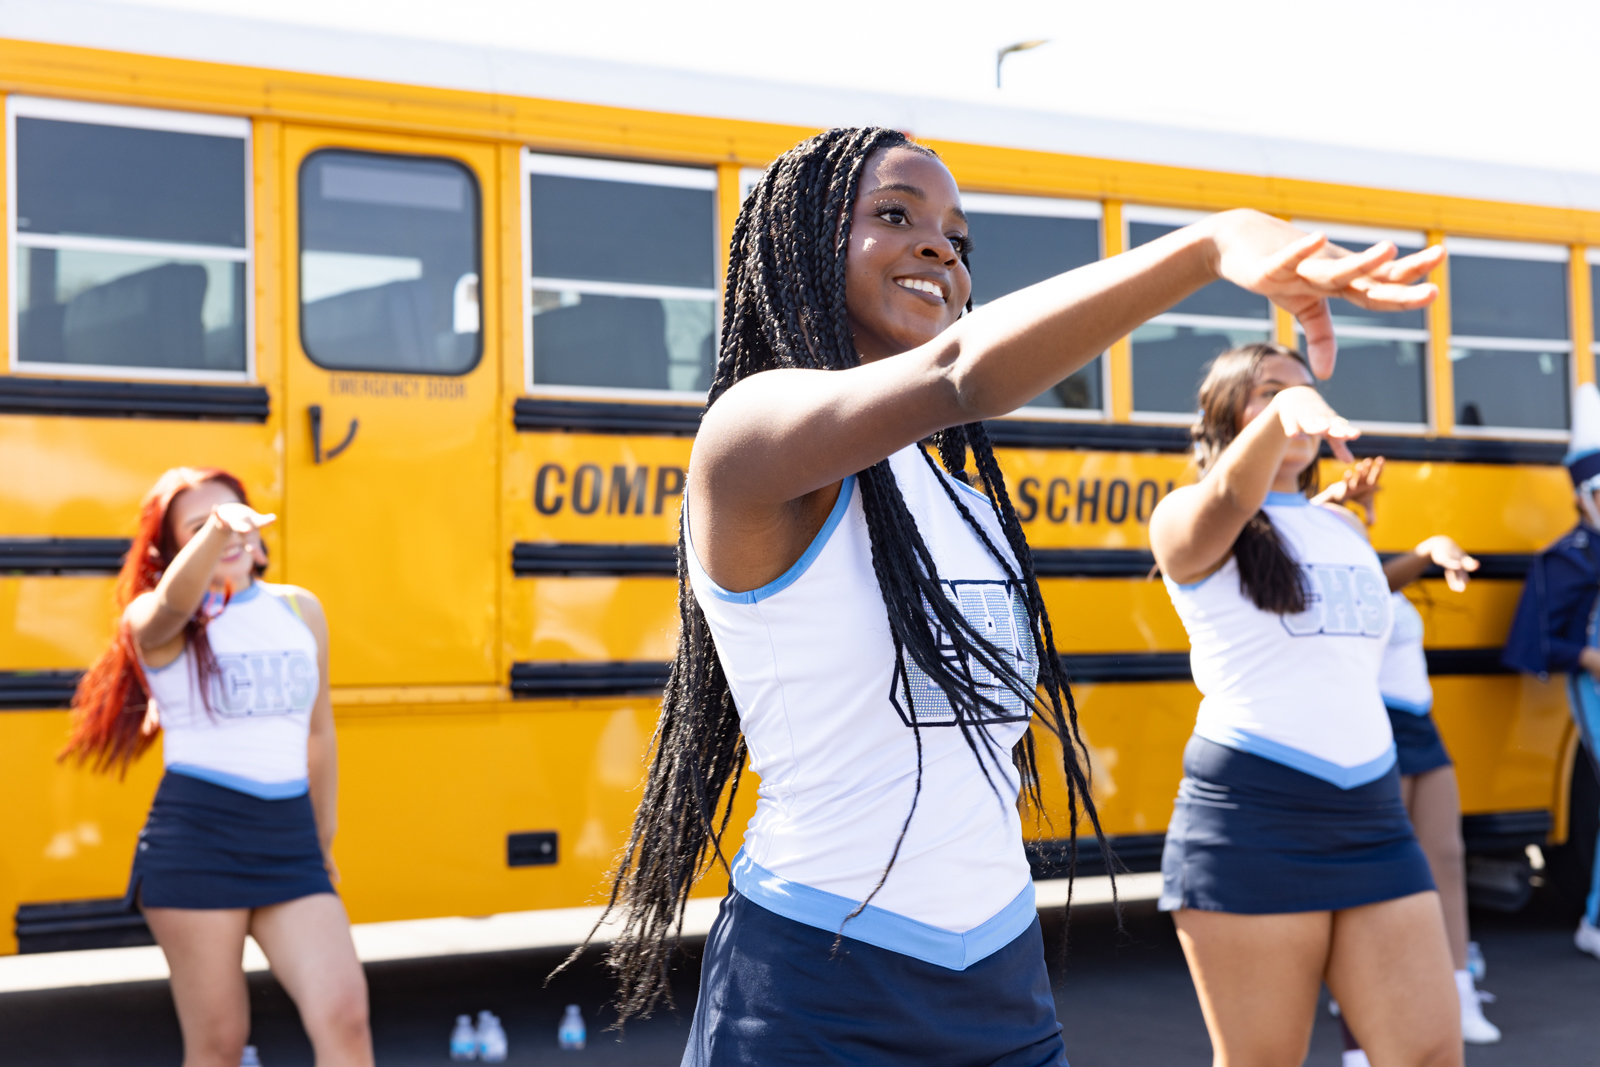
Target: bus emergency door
point(391, 393)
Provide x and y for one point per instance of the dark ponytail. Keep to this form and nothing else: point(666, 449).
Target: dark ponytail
point(1268, 575)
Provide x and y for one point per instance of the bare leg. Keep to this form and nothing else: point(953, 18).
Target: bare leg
point(1434, 803)
point(1389, 967)
point(307, 941)
point(1257, 977)
point(205, 952)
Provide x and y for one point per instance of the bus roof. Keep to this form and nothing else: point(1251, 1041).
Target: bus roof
point(410, 61)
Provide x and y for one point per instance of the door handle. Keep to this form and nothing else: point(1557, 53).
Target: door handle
point(317, 454)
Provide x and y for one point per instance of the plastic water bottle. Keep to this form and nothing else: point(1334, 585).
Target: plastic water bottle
point(571, 1034)
point(1477, 966)
point(492, 1046)
point(463, 1039)
point(249, 1057)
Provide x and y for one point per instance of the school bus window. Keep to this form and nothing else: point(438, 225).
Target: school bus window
point(1383, 357)
point(1020, 240)
point(621, 274)
point(1171, 350)
point(130, 236)
point(389, 249)
point(1510, 347)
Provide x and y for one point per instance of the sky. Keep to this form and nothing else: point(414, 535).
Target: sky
point(1506, 82)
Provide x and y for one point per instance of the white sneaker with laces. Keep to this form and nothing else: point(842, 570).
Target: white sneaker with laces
point(1587, 938)
point(1475, 1029)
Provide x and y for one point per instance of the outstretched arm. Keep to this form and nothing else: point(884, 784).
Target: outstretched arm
point(778, 436)
point(1438, 550)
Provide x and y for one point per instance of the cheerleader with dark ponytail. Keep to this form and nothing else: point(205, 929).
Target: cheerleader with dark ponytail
point(861, 619)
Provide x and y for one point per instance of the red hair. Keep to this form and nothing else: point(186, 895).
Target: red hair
point(112, 700)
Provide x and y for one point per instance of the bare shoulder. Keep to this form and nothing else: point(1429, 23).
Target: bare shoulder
point(310, 608)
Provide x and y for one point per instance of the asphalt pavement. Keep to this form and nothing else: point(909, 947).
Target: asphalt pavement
point(1124, 999)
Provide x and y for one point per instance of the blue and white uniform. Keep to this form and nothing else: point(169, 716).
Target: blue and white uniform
point(1408, 694)
point(821, 696)
point(1292, 723)
point(232, 824)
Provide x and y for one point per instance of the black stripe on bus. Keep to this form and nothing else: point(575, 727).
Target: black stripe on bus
point(1510, 566)
point(26, 690)
point(530, 558)
point(547, 415)
point(67, 925)
point(126, 400)
point(1453, 661)
point(565, 679)
point(62, 555)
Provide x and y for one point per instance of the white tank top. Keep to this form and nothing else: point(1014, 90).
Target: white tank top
point(1301, 690)
point(253, 738)
point(1403, 680)
point(812, 668)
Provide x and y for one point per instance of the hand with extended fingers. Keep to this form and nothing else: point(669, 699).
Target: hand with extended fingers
point(240, 518)
point(1300, 272)
point(1444, 552)
point(1357, 487)
point(1302, 412)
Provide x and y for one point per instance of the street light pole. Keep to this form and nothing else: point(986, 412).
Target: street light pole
point(1020, 46)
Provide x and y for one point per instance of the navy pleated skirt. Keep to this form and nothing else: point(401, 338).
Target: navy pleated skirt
point(208, 846)
point(1417, 742)
point(1253, 837)
point(777, 992)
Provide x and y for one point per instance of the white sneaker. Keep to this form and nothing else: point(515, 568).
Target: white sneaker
point(1355, 1057)
point(1475, 1029)
point(1587, 938)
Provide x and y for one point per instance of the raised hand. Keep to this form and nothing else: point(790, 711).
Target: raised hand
point(241, 518)
point(1303, 413)
point(1300, 272)
point(1443, 552)
point(1358, 486)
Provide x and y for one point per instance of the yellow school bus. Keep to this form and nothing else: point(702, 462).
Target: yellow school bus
point(450, 313)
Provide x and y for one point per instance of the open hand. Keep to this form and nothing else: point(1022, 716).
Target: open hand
point(1445, 553)
point(1300, 272)
point(1302, 412)
point(241, 518)
point(1358, 487)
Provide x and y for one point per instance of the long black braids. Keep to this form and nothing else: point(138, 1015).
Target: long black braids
point(784, 306)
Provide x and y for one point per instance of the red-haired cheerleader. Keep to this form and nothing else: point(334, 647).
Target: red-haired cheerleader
point(233, 672)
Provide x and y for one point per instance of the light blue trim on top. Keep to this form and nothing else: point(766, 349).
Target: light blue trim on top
point(1410, 706)
point(1304, 762)
point(251, 591)
point(1286, 500)
point(295, 787)
point(801, 565)
point(877, 926)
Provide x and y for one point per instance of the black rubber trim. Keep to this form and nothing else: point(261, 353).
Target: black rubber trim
point(1128, 667)
point(538, 414)
point(62, 555)
point(1499, 565)
point(1135, 854)
point(1497, 831)
point(132, 400)
point(1088, 436)
point(1448, 661)
point(71, 925)
point(530, 558)
point(617, 678)
point(1456, 450)
point(30, 690)
point(1092, 563)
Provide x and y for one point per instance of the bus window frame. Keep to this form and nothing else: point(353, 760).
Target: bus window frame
point(1416, 240)
point(174, 121)
point(298, 292)
point(1538, 252)
point(1164, 216)
point(637, 172)
point(1056, 208)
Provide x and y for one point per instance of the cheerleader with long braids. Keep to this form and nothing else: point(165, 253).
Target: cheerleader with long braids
point(233, 674)
point(862, 620)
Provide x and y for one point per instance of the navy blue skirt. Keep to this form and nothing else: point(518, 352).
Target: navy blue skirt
point(208, 846)
point(776, 992)
point(1253, 837)
point(1417, 742)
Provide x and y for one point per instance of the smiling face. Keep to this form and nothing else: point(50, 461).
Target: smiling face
point(186, 515)
point(904, 279)
point(1273, 376)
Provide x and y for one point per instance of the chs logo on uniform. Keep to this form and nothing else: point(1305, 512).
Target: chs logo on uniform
point(264, 683)
point(1342, 602)
point(996, 610)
